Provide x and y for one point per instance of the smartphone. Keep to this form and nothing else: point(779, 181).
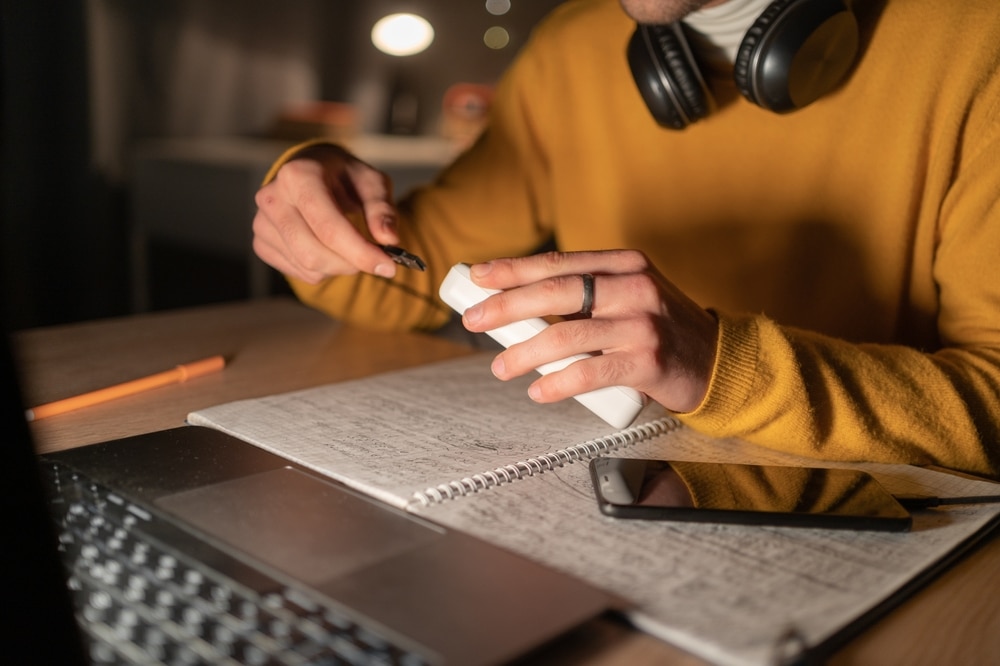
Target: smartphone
point(745, 494)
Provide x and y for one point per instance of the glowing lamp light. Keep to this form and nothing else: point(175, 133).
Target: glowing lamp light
point(402, 34)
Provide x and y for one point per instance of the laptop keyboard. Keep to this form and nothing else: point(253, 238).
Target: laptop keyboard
point(140, 601)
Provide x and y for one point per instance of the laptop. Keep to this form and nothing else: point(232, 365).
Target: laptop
point(191, 546)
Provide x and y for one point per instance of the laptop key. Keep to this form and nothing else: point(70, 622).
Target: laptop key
point(140, 602)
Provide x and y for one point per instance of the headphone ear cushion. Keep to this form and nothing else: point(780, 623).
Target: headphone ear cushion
point(667, 75)
point(796, 52)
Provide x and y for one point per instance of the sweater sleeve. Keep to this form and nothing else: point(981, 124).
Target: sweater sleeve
point(823, 397)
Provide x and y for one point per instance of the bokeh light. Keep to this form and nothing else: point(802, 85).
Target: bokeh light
point(402, 34)
point(498, 7)
point(496, 38)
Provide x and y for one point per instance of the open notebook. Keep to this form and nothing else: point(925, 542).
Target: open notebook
point(452, 444)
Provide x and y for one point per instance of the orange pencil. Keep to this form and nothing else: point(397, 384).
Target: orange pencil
point(181, 373)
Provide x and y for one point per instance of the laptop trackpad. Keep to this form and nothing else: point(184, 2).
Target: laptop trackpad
point(305, 527)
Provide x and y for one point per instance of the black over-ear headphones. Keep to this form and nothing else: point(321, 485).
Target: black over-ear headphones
point(794, 53)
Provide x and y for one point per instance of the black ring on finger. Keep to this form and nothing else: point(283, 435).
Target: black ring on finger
point(588, 295)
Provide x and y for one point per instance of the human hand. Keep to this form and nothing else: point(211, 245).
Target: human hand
point(312, 216)
point(647, 334)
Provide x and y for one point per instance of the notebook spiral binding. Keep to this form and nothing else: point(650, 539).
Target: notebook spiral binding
point(545, 462)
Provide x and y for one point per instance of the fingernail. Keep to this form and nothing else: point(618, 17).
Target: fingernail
point(534, 393)
point(479, 270)
point(389, 224)
point(386, 270)
point(473, 314)
point(499, 368)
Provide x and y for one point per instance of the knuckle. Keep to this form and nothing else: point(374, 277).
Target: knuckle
point(325, 232)
point(552, 288)
point(297, 168)
point(553, 261)
point(651, 346)
point(368, 178)
point(636, 261)
point(306, 198)
point(264, 251)
point(502, 267)
point(592, 373)
point(645, 282)
point(293, 174)
point(264, 198)
point(311, 264)
point(258, 226)
point(571, 335)
point(643, 291)
point(380, 208)
point(650, 375)
point(644, 332)
point(621, 369)
point(502, 305)
point(285, 226)
point(312, 277)
point(610, 372)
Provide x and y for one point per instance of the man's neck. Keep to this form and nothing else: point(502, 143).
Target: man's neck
point(722, 25)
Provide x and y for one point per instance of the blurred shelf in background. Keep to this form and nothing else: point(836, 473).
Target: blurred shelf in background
point(198, 195)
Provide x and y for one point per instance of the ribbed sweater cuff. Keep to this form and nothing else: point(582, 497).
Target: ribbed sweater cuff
point(732, 378)
point(288, 156)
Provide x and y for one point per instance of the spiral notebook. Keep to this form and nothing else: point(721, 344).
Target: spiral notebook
point(188, 545)
point(455, 446)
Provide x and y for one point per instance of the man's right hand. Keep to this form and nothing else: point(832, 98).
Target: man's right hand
point(312, 218)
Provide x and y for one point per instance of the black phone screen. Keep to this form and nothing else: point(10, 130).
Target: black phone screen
point(745, 494)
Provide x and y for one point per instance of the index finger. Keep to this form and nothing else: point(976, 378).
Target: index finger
point(327, 212)
point(328, 189)
point(373, 192)
point(510, 272)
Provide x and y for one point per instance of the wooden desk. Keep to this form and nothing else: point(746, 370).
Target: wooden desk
point(277, 345)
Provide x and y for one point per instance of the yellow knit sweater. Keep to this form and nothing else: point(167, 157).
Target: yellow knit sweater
point(851, 249)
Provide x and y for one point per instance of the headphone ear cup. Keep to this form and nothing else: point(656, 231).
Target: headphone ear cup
point(796, 52)
point(667, 75)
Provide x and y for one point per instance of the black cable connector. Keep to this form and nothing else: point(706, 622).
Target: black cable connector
point(931, 502)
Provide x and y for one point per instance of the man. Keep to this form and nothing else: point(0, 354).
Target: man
point(822, 281)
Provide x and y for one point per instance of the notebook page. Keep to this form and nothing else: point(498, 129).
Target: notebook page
point(739, 595)
point(394, 434)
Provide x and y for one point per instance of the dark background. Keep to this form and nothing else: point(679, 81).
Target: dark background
point(84, 81)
